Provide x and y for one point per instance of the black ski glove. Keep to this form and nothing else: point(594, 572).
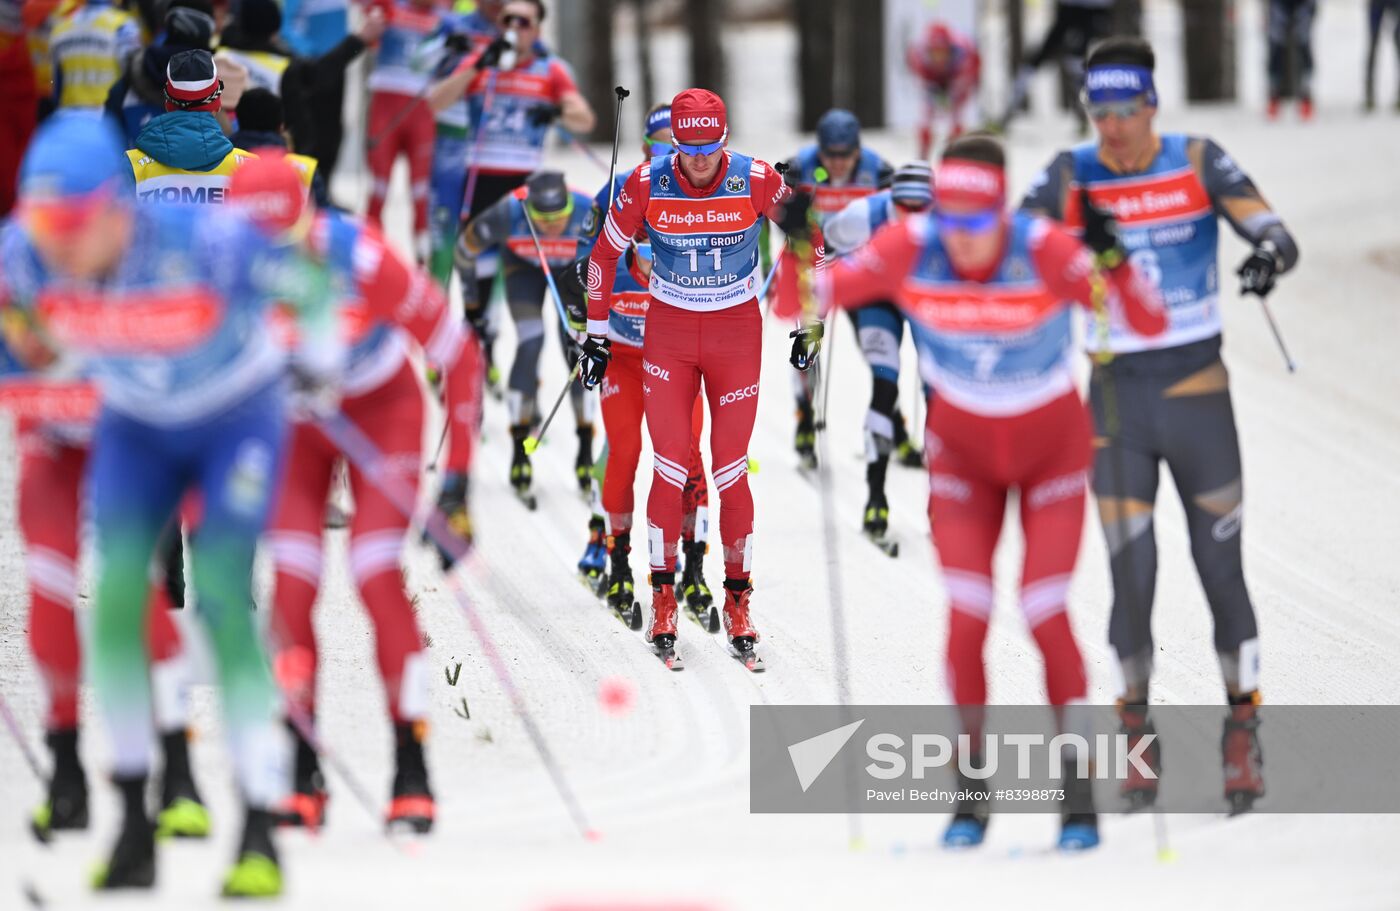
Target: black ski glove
point(492, 55)
point(452, 503)
point(458, 42)
point(1257, 272)
point(1101, 233)
point(597, 354)
point(542, 115)
point(572, 282)
point(806, 345)
point(792, 214)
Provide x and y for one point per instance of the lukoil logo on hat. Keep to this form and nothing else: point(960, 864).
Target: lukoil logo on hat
point(698, 115)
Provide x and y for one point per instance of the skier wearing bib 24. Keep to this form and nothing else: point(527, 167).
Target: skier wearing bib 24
point(192, 401)
point(1168, 398)
point(988, 296)
point(514, 93)
point(701, 207)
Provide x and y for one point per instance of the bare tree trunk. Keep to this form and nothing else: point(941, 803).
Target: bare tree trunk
point(640, 9)
point(816, 26)
point(591, 56)
point(702, 20)
point(1210, 54)
point(1016, 41)
point(866, 69)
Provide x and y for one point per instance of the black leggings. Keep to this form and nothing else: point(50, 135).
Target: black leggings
point(1071, 33)
point(1171, 406)
point(532, 309)
point(1290, 17)
point(1375, 19)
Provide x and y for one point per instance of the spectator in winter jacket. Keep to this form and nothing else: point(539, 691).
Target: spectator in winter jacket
point(139, 95)
point(183, 156)
point(252, 39)
point(261, 125)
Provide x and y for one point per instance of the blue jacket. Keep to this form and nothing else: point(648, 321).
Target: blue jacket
point(189, 140)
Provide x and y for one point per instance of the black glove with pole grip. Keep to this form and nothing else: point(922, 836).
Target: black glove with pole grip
point(494, 51)
point(597, 354)
point(572, 282)
point(1101, 233)
point(1257, 272)
point(542, 115)
point(806, 345)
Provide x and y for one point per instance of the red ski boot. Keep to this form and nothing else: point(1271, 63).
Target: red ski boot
point(737, 624)
point(1138, 789)
point(1241, 756)
point(662, 632)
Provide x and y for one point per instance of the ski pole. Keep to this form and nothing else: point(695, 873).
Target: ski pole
point(301, 720)
point(1273, 327)
point(830, 549)
point(621, 93)
point(533, 442)
point(548, 274)
point(820, 423)
point(488, 97)
point(373, 142)
point(763, 289)
point(366, 457)
point(31, 759)
point(582, 146)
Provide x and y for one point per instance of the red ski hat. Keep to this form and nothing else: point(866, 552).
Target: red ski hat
point(698, 116)
point(270, 189)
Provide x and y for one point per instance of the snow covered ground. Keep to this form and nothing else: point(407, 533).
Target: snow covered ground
point(667, 783)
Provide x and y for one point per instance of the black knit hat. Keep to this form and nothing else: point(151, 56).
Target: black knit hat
point(188, 28)
point(258, 18)
point(260, 111)
point(192, 82)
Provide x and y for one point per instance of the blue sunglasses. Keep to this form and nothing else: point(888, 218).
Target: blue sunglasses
point(661, 148)
point(972, 223)
point(706, 149)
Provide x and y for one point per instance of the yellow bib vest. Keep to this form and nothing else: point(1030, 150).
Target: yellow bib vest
point(306, 167)
point(161, 184)
point(264, 70)
point(86, 54)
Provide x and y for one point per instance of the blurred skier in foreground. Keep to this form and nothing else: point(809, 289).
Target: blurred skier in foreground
point(168, 307)
point(382, 299)
point(989, 297)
